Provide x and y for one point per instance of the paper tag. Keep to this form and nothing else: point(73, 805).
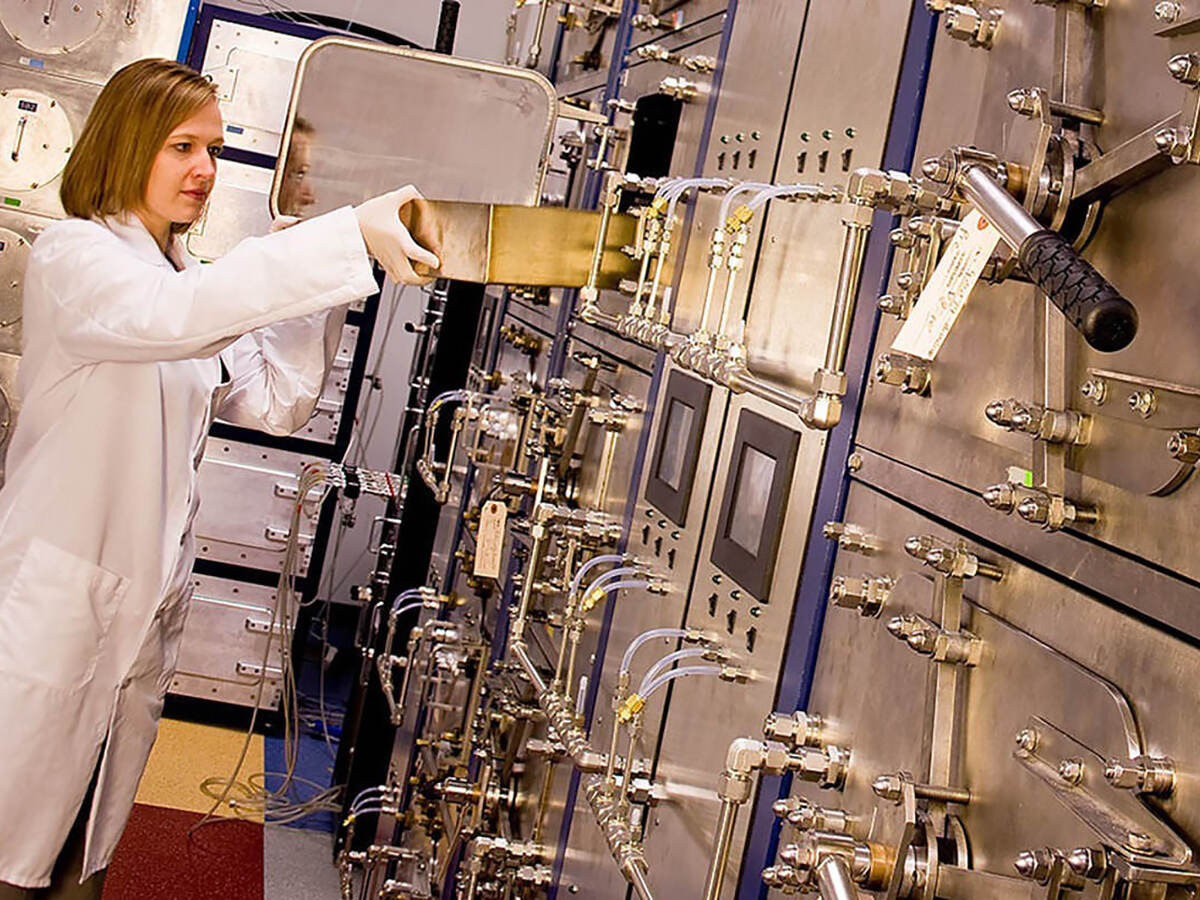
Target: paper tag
point(489, 544)
point(944, 297)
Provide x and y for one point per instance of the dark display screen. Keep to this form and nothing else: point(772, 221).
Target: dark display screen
point(676, 432)
point(756, 473)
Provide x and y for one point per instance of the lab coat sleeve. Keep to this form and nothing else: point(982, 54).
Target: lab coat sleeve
point(111, 305)
point(278, 372)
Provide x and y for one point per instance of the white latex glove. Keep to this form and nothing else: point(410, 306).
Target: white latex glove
point(281, 222)
point(389, 241)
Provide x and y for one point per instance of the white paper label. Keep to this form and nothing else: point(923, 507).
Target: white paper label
point(944, 297)
point(489, 545)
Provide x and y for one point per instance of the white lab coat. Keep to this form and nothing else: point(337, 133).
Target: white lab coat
point(119, 382)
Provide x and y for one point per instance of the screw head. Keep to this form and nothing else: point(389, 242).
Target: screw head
point(1167, 10)
point(1140, 841)
point(1144, 403)
point(1023, 102)
point(889, 787)
point(935, 170)
point(1031, 510)
point(999, 496)
point(1095, 389)
point(1071, 770)
point(1027, 740)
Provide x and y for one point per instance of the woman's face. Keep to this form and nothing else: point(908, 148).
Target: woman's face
point(183, 172)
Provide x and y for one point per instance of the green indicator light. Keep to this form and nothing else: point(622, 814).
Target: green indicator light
point(11, 201)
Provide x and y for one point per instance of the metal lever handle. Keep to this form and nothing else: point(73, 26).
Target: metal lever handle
point(1107, 321)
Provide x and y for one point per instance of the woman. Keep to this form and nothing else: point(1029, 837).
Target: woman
point(131, 349)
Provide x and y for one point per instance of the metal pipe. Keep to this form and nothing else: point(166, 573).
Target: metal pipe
point(637, 878)
point(854, 249)
point(721, 848)
point(535, 52)
point(999, 207)
point(521, 653)
point(611, 189)
point(834, 880)
point(744, 383)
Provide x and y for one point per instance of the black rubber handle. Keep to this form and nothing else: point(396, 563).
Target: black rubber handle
point(1106, 320)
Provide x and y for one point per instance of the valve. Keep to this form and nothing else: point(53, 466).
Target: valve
point(951, 560)
point(1054, 426)
point(680, 88)
point(908, 373)
point(799, 729)
point(927, 638)
point(1143, 775)
point(977, 25)
point(851, 538)
point(868, 594)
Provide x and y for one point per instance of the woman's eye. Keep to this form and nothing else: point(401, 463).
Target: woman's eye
point(183, 146)
point(215, 151)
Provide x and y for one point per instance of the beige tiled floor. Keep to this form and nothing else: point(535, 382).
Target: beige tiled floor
point(186, 754)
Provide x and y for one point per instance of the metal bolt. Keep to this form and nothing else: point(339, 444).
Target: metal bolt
point(1031, 510)
point(1174, 142)
point(1140, 841)
point(1071, 770)
point(1167, 10)
point(1023, 102)
point(1185, 68)
point(936, 170)
point(1095, 389)
point(1027, 739)
point(854, 463)
point(1001, 497)
point(1144, 403)
point(889, 787)
point(1184, 446)
point(1088, 862)
point(1035, 864)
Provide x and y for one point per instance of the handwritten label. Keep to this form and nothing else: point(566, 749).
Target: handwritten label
point(944, 297)
point(489, 546)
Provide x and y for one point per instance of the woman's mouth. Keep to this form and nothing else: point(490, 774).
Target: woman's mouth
point(199, 196)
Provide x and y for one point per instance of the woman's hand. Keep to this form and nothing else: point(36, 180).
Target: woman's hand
point(389, 241)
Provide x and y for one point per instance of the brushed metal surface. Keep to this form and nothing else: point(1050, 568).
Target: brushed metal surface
point(62, 117)
point(1051, 651)
point(471, 131)
point(705, 716)
point(227, 624)
point(253, 70)
point(519, 245)
point(991, 351)
point(91, 39)
point(246, 505)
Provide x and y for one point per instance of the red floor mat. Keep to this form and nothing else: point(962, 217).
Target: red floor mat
point(156, 861)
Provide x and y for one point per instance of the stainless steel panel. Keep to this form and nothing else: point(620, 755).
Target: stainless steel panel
point(1050, 652)
point(237, 208)
point(798, 264)
point(253, 70)
point(705, 716)
point(88, 40)
point(225, 641)
point(40, 117)
point(992, 351)
point(330, 413)
point(9, 403)
point(673, 15)
point(471, 131)
point(17, 232)
point(759, 68)
point(247, 496)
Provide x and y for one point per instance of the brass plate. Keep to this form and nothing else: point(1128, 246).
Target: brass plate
point(519, 245)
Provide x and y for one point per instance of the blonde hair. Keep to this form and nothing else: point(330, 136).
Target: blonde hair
point(136, 111)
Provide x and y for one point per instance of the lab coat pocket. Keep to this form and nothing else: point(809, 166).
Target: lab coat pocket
point(55, 615)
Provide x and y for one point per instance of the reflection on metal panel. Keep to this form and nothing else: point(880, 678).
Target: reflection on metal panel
point(225, 643)
point(253, 70)
point(247, 497)
point(88, 40)
point(365, 119)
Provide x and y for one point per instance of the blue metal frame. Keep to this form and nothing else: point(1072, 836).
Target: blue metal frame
point(809, 611)
point(189, 24)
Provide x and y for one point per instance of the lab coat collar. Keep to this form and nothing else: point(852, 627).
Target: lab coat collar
point(130, 229)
